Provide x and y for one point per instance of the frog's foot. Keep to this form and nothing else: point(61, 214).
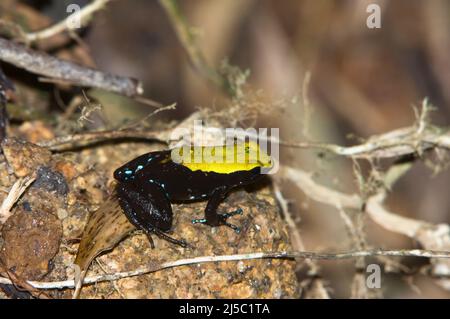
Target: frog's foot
point(221, 220)
point(150, 240)
point(172, 240)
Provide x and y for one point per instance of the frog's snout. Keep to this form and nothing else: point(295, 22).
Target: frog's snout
point(120, 175)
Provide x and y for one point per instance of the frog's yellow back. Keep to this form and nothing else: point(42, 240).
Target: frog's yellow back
point(222, 159)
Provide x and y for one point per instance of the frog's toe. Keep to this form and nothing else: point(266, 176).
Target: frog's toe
point(172, 240)
point(199, 221)
point(220, 220)
point(234, 212)
point(223, 222)
point(233, 227)
point(225, 216)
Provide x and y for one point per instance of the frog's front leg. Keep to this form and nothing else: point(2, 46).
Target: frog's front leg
point(212, 218)
point(148, 209)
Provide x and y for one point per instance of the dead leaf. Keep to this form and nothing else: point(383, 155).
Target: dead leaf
point(105, 228)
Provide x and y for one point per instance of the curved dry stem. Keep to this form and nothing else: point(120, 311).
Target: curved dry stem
point(248, 256)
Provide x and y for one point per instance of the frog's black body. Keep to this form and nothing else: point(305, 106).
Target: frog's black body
point(151, 182)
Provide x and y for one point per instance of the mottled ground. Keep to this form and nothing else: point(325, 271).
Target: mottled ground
point(40, 240)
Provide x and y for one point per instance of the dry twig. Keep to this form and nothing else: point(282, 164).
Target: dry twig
point(297, 242)
point(82, 139)
point(430, 236)
point(186, 37)
point(83, 16)
point(14, 194)
point(260, 255)
point(404, 141)
point(66, 71)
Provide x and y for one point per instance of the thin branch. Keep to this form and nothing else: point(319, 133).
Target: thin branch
point(66, 71)
point(403, 141)
point(409, 140)
point(318, 192)
point(223, 258)
point(307, 108)
point(325, 195)
point(430, 236)
point(296, 238)
point(298, 244)
point(391, 144)
point(83, 16)
point(14, 194)
point(114, 283)
point(15, 280)
point(83, 139)
point(145, 118)
point(186, 37)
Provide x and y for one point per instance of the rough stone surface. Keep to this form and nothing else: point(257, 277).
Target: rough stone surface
point(24, 157)
point(31, 240)
point(88, 174)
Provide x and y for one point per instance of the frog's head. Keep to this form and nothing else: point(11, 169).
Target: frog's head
point(128, 171)
point(124, 174)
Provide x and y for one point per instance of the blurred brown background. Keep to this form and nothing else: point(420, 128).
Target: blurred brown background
point(363, 82)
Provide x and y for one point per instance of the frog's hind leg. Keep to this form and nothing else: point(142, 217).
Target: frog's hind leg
point(172, 240)
point(212, 218)
point(162, 235)
point(150, 240)
point(148, 210)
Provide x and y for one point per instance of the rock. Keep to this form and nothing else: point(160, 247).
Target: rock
point(25, 157)
point(263, 230)
point(51, 181)
point(88, 175)
point(31, 240)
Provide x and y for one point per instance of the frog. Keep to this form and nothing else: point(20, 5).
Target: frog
point(148, 185)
